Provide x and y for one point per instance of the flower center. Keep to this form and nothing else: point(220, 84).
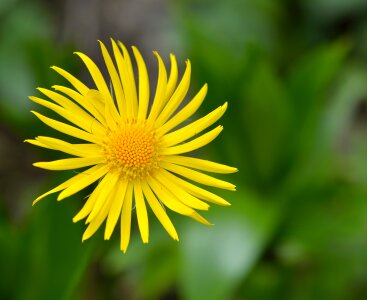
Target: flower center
point(132, 150)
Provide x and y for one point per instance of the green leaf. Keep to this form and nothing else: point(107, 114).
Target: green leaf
point(266, 120)
point(309, 83)
point(51, 257)
point(323, 248)
point(216, 259)
point(141, 261)
point(310, 78)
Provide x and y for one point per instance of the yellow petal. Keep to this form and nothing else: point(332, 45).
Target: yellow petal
point(37, 143)
point(195, 190)
point(169, 199)
point(96, 223)
point(69, 182)
point(180, 193)
point(75, 110)
point(190, 130)
point(159, 211)
point(81, 150)
point(125, 81)
point(83, 183)
point(126, 218)
point(106, 109)
point(100, 83)
point(85, 123)
point(143, 85)
point(85, 101)
point(131, 91)
point(70, 163)
point(117, 87)
point(68, 129)
point(158, 101)
point(200, 164)
point(197, 176)
point(194, 144)
point(89, 204)
point(81, 87)
point(115, 209)
point(196, 216)
point(141, 212)
point(172, 80)
point(185, 113)
point(108, 188)
point(177, 96)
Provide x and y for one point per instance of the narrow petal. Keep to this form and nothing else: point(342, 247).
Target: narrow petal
point(144, 89)
point(130, 77)
point(158, 101)
point(197, 176)
point(159, 211)
point(194, 144)
point(82, 150)
point(81, 87)
point(125, 81)
point(69, 182)
point(200, 164)
point(100, 83)
point(71, 116)
point(177, 97)
point(181, 194)
point(190, 130)
point(116, 83)
point(96, 223)
point(111, 180)
point(141, 212)
point(76, 110)
point(115, 209)
point(70, 163)
point(172, 80)
point(85, 101)
point(37, 143)
point(195, 190)
point(105, 107)
point(68, 129)
point(170, 200)
point(126, 218)
point(83, 183)
point(89, 204)
point(185, 113)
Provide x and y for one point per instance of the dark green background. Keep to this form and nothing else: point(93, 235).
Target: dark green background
point(295, 76)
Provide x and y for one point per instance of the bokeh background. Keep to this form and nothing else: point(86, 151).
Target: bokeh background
point(295, 75)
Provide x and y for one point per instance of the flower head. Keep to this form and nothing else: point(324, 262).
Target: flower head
point(135, 151)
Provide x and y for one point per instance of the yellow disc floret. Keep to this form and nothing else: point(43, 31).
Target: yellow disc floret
point(131, 149)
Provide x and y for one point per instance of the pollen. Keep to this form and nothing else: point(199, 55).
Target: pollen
point(132, 150)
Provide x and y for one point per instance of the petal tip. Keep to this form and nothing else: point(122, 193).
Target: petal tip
point(61, 196)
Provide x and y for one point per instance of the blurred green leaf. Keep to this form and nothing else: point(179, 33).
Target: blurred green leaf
point(49, 250)
point(328, 10)
point(214, 260)
point(152, 267)
point(267, 120)
point(309, 86)
point(312, 75)
point(26, 23)
point(350, 90)
point(323, 248)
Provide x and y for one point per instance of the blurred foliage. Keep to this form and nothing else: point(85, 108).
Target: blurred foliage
point(295, 76)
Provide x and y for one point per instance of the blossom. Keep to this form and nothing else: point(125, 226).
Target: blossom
point(134, 151)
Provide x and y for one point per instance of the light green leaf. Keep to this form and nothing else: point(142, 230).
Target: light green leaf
point(266, 119)
point(216, 259)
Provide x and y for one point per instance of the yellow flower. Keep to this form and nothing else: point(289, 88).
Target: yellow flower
point(133, 151)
